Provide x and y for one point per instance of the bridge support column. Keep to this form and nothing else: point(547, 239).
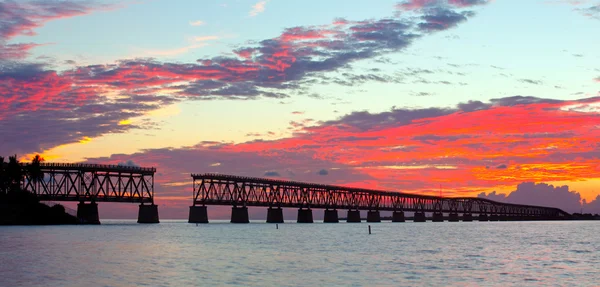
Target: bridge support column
point(373, 216)
point(274, 215)
point(87, 213)
point(437, 217)
point(305, 216)
point(148, 214)
point(482, 217)
point(239, 214)
point(198, 214)
point(494, 217)
point(330, 216)
point(420, 217)
point(398, 216)
point(353, 216)
point(452, 217)
point(467, 217)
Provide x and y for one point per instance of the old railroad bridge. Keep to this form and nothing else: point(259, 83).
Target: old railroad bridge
point(89, 184)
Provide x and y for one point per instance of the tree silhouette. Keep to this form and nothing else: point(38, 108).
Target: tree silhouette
point(3, 177)
point(34, 170)
point(14, 174)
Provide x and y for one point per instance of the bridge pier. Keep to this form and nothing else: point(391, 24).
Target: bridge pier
point(373, 216)
point(494, 217)
point(148, 214)
point(239, 214)
point(305, 215)
point(87, 213)
point(467, 217)
point(452, 217)
point(330, 216)
point(482, 217)
point(198, 214)
point(274, 215)
point(437, 217)
point(353, 216)
point(398, 216)
point(419, 217)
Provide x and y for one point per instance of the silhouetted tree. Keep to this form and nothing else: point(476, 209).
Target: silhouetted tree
point(34, 170)
point(3, 177)
point(14, 174)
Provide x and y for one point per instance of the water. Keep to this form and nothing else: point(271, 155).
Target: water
point(175, 253)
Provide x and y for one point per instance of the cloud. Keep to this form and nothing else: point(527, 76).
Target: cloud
point(258, 8)
point(197, 23)
point(541, 194)
point(272, 174)
point(23, 18)
point(103, 95)
point(502, 166)
point(409, 5)
point(593, 12)
point(323, 172)
point(128, 163)
point(530, 81)
point(597, 79)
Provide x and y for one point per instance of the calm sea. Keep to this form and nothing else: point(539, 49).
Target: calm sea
point(175, 253)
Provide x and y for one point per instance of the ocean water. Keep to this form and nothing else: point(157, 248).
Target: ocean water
point(176, 253)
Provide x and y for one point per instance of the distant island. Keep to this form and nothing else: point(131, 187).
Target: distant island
point(21, 207)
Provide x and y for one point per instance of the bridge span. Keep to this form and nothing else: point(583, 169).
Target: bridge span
point(92, 183)
point(241, 192)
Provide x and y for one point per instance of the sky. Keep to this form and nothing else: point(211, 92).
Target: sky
point(497, 99)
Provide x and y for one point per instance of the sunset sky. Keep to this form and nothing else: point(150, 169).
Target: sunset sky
point(466, 96)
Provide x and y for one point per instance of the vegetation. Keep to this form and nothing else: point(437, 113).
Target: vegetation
point(21, 207)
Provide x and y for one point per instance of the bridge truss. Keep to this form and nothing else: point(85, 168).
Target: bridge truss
point(93, 182)
point(216, 189)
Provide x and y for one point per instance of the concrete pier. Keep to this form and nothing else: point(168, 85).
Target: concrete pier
point(274, 215)
point(494, 217)
point(437, 217)
point(467, 217)
point(239, 214)
point(330, 216)
point(482, 217)
point(452, 217)
point(305, 215)
point(148, 214)
point(373, 216)
point(198, 214)
point(398, 216)
point(420, 217)
point(353, 216)
point(87, 213)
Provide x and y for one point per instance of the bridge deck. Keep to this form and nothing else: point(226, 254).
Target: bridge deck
point(218, 189)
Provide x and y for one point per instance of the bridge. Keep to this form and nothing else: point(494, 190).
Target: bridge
point(92, 183)
point(241, 192)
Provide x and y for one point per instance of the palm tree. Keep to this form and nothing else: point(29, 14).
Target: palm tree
point(34, 171)
point(14, 174)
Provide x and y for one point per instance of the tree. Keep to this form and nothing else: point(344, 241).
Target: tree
point(3, 177)
point(34, 170)
point(14, 174)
